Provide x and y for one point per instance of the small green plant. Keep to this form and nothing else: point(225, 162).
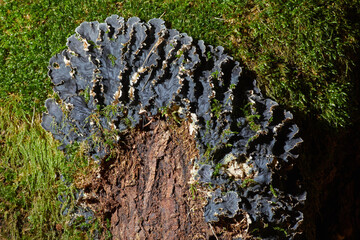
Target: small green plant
point(209, 55)
point(193, 190)
point(110, 110)
point(217, 169)
point(94, 118)
point(271, 119)
point(247, 182)
point(216, 107)
point(179, 53)
point(171, 112)
point(215, 74)
point(112, 58)
point(208, 156)
point(108, 227)
point(86, 94)
point(281, 230)
point(208, 126)
point(110, 137)
point(273, 191)
point(94, 44)
point(251, 139)
point(253, 126)
point(127, 122)
point(227, 133)
point(164, 111)
point(249, 111)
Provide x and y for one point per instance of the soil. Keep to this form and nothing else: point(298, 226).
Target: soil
point(144, 190)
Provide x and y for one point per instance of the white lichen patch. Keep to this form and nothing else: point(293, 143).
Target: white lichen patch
point(131, 93)
point(193, 127)
point(67, 61)
point(235, 169)
point(118, 93)
point(85, 44)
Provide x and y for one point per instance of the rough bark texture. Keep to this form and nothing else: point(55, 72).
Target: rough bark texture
point(144, 190)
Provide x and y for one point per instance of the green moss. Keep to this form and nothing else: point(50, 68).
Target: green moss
point(302, 51)
point(30, 166)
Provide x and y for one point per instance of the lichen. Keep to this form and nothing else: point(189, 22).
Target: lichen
point(122, 71)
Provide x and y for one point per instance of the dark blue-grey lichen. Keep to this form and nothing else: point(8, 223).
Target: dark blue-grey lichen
point(115, 73)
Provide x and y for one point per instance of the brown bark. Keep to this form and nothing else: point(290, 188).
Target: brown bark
point(144, 190)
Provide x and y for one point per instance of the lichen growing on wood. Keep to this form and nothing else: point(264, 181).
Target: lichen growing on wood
point(118, 73)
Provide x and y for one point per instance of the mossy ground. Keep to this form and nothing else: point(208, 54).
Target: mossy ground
point(304, 53)
point(30, 182)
